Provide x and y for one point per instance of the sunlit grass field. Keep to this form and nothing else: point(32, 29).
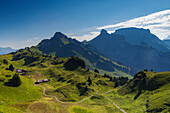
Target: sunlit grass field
point(73, 86)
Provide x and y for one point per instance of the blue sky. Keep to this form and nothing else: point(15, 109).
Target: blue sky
point(26, 22)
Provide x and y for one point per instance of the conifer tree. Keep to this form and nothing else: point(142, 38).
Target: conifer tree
point(5, 61)
point(11, 68)
point(15, 81)
point(90, 81)
point(96, 71)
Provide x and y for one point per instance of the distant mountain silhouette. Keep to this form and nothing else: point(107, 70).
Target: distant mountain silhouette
point(62, 46)
point(5, 50)
point(138, 54)
point(136, 36)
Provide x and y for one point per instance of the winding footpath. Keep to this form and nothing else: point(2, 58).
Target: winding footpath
point(78, 101)
point(58, 99)
point(115, 105)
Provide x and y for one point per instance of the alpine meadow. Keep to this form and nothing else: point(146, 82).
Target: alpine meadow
point(84, 56)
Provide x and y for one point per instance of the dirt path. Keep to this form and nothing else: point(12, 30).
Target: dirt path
point(78, 101)
point(58, 99)
point(115, 105)
point(107, 92)
point(97, 89)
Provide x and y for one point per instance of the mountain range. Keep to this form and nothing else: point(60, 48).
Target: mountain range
point(62, 46)
point(124, 52)
point(136, 36)
point(5, 50)
point(134, 47)
point(75, 87)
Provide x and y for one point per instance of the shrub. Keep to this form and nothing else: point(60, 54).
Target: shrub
point(7, 75)
point(89, 81)
point(82, 88)
point(11, 68)
point(96, 71)
point(2, 79)
point(73, 63)
point(5, 61)
point(14, 82)
point(116, 84)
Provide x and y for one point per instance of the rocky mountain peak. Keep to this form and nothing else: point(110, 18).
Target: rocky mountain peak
point(103, 32)
point(59, 35)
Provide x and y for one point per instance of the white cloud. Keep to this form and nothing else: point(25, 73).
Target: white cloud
point(26, 43)
point(158, 23)
point(70, 34)
point(36, 38)
point(32, 40)
point(29, 42)
point(89, 36)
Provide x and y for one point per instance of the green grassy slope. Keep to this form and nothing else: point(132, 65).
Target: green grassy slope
point(147, 92)
point(16, 99)
point(67, 85)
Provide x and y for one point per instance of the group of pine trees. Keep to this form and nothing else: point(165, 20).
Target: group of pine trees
point(15, 81)
point(147, 70)
point(11, 67)
point(119, 81)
